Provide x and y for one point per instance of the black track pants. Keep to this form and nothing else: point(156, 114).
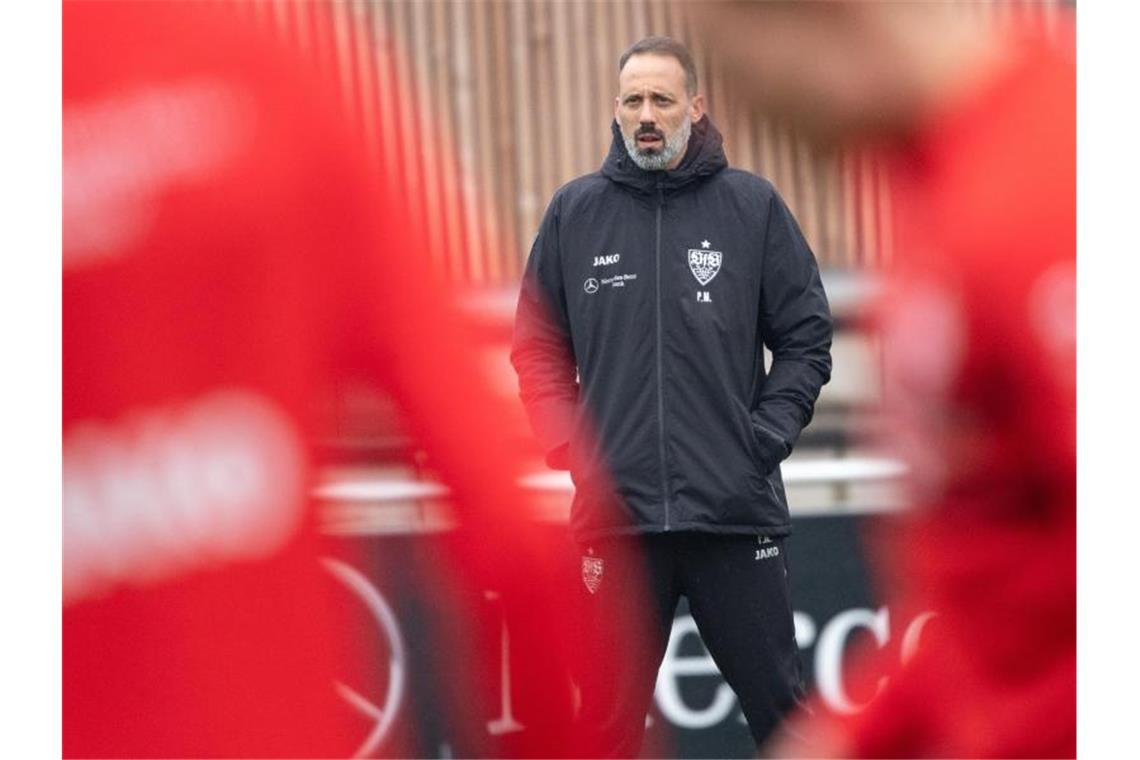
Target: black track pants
point(737, 588)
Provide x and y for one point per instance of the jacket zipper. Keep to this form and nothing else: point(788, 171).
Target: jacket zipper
point(660, 375)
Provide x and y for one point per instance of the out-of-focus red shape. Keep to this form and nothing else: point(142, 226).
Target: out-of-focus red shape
point(979, 331)
point(227, 258)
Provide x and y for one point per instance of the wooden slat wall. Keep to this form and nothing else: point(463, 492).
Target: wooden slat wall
point(502, 101)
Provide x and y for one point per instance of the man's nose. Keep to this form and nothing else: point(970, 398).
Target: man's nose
point(646, 115)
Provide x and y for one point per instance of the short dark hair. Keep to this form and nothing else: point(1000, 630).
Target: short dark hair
point(665, 46)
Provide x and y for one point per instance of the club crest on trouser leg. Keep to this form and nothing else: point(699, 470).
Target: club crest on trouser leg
point(592, 569)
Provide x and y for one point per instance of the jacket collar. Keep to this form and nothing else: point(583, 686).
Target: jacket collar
point(703, 158)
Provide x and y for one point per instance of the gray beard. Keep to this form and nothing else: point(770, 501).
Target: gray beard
point(657, 161)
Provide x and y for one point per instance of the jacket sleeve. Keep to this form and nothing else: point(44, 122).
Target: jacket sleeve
point(541, 349)
point(795, 324)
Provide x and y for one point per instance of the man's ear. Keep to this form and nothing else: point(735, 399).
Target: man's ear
point(697, 107)
point(617, 105)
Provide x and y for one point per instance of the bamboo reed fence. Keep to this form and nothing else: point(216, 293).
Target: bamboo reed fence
point(481, 109)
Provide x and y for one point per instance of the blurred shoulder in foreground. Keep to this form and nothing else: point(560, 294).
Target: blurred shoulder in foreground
point(977, 124)
point(229, 255)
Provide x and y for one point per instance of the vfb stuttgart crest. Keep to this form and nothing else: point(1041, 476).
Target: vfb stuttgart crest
point(704, 264)
point(592, 569)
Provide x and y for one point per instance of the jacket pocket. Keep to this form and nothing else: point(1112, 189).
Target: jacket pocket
point(574, 453)
point(752, 441)
point(771, 447)
point(772, 486)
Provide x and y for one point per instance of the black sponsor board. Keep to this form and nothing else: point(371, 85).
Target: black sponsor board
point(403, 698)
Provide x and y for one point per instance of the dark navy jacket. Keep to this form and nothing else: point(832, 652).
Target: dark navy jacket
point(638, 336)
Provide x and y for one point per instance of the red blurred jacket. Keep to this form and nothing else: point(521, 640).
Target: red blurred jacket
point(228, 259)
point(980, 339)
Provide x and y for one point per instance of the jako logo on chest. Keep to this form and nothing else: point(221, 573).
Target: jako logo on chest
point(601, 261)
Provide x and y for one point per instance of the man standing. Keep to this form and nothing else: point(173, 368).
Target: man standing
point(649, 292)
